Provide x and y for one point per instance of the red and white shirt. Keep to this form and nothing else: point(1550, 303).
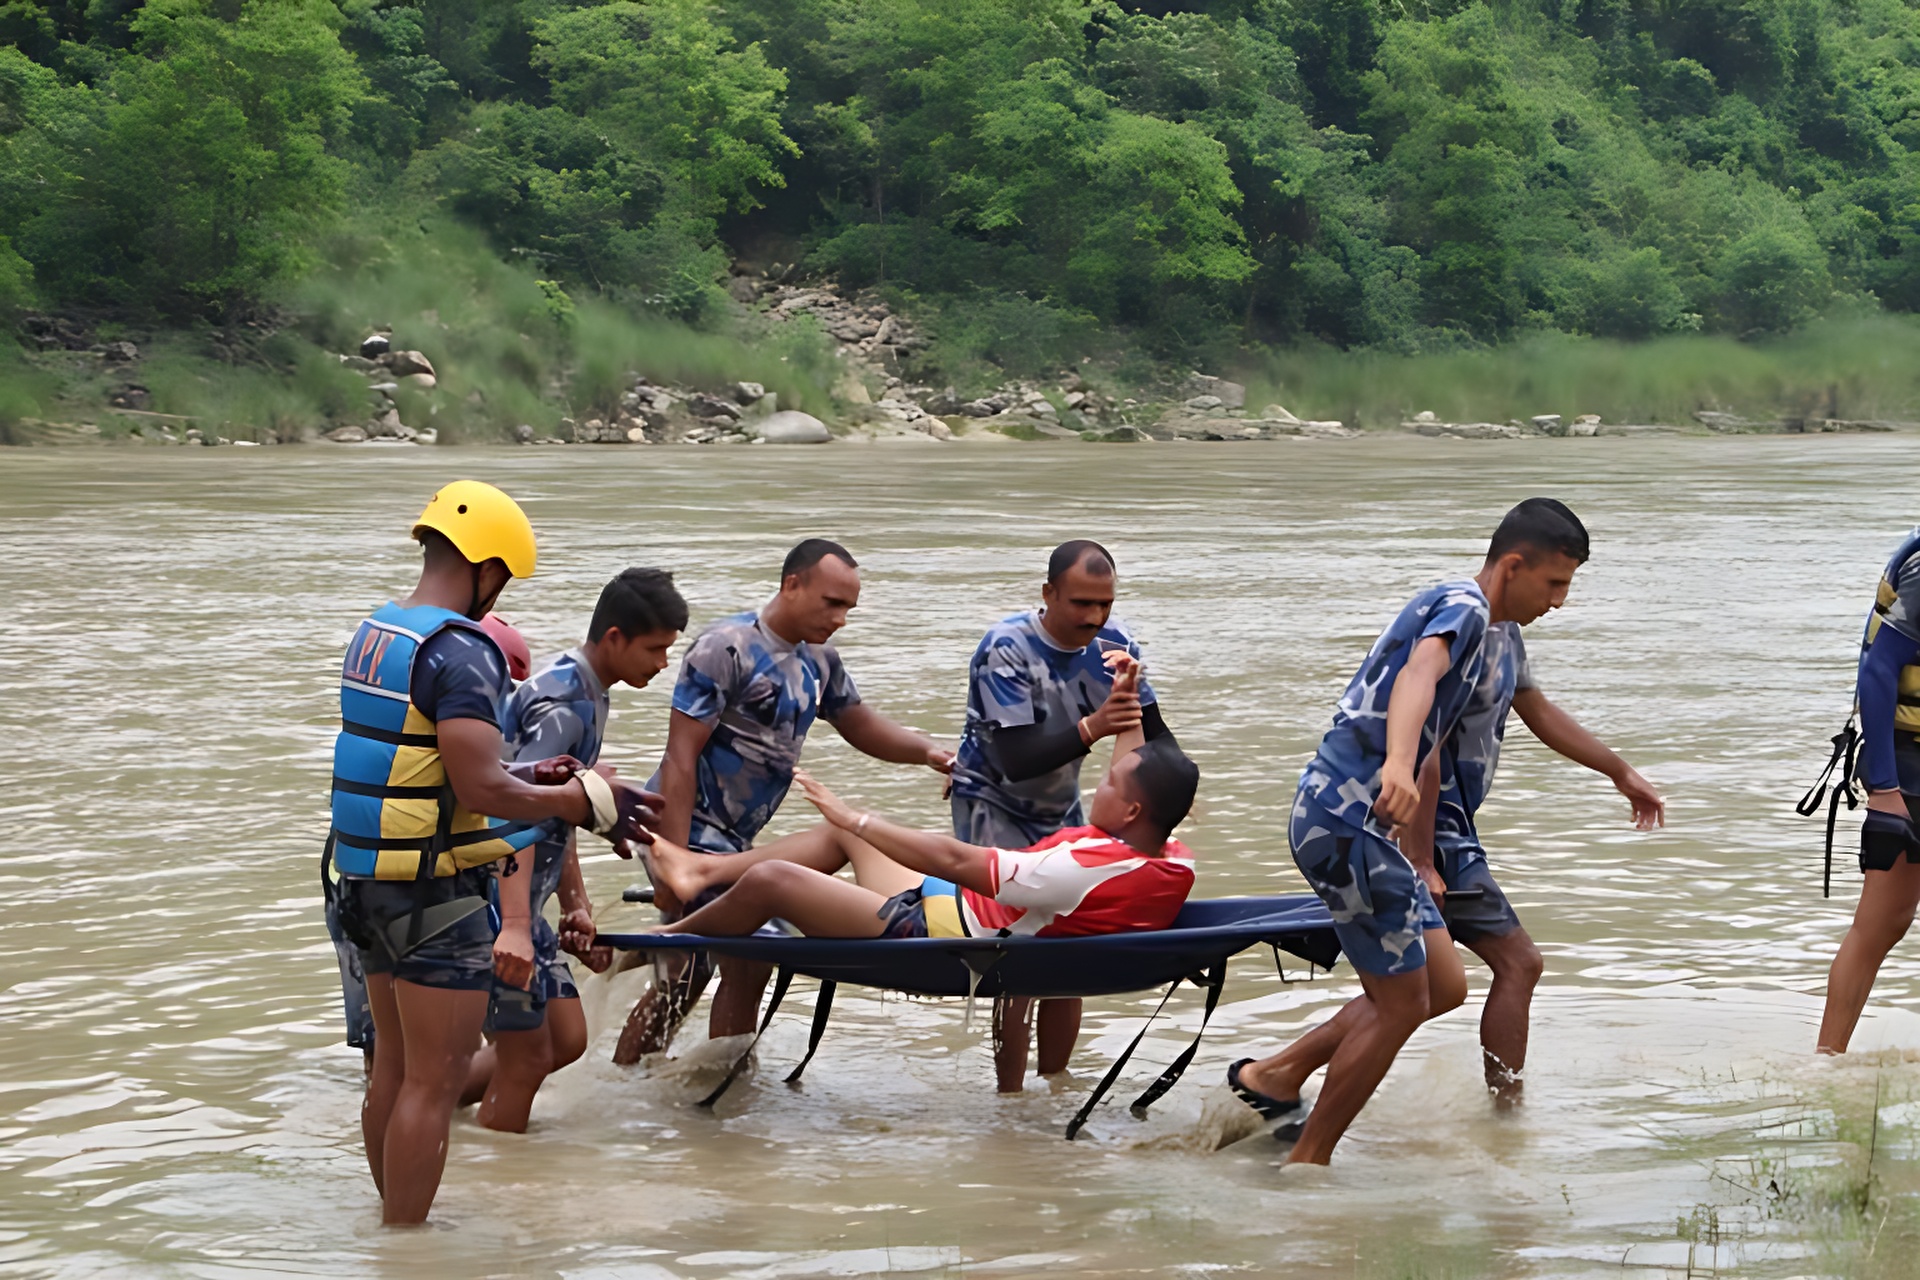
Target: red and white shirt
point(1080, 881)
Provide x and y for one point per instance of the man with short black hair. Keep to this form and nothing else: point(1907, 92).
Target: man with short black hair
point(1040, 693)
point(1393, 788)
point(561, 710)
point(749, 690)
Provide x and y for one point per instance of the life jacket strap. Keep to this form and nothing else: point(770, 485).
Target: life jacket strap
point(392, 737)
point(433, 844)
point(383, 790)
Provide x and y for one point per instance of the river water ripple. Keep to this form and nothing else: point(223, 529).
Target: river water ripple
point(178, 1102)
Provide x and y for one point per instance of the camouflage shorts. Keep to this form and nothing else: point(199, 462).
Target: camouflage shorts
point(1380, 905)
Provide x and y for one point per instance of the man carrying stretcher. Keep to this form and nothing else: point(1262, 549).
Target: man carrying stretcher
point(1120, 873)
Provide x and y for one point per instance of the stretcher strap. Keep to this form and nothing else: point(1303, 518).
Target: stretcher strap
point(1216, 981)
point(780, 983)
point(1113, 1072)
point(822, 1006)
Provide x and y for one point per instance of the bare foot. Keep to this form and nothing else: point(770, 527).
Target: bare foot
point(675, 869)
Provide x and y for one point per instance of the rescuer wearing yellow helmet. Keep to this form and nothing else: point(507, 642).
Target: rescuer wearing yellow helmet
point(425, 813)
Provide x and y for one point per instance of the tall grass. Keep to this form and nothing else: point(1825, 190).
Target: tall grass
point(1861, 367)
point(509, 348)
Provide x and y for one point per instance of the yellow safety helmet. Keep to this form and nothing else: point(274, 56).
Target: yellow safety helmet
point(482, 523)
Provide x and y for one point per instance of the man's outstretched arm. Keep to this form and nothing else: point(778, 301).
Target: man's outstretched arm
point(1567, 736)
point(873, 734)
point(928, 852)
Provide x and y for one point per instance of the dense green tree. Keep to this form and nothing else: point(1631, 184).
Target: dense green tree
point(1196, 174)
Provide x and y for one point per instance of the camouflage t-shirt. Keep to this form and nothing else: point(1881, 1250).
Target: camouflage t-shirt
point(1343, 777)
point(1020, 676)
point(761, 695)
point(561, 709)
point(1472, 754)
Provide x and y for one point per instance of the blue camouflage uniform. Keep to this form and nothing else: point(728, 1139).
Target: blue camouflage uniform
point(1467, 763)
point(1380, 906)
point(1021, 676)
point(760, 694)
point(561, 709)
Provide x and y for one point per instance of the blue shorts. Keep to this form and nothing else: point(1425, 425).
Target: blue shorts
point(1488, 916)
point(1381, 907)
point(457, 958)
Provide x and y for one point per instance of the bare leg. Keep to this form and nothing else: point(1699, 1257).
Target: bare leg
point(389, 1070)
point(686, 873)
point(1012, 1036)
point(659, 1011)
point(818, 904)
point(479, 1075)
point(567, 1026)
point(1361, 1061)
point(525, 1058)
point(1517, 966)
point(1059, 1027)
point(1887, 901)
point(1282, 1075)
point(736, 1002)
point(441, 1030)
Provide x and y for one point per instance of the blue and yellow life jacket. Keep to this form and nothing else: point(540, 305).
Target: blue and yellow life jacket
point(1906, 716)
point(395, 816)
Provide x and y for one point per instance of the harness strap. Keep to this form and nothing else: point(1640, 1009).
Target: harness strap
point(1846, 746)
point(326, 871)
point(822, 1007)
point(780, 983)
point(392, 737)
point(1215, 982)
point(1113, 1072)
point(424, 924)
point(429, 859)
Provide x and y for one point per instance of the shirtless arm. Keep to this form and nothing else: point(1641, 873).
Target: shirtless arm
point(1564, 734)
point(873, 734)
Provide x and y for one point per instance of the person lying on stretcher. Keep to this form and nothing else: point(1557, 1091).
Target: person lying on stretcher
point(1122, 872)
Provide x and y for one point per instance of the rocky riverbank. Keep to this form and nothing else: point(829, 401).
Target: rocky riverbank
point(403, 399)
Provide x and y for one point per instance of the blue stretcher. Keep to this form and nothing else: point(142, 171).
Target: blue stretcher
point(1195, 948)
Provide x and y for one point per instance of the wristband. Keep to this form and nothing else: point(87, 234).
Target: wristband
point(860, 827)
point(1086, 734)
point(603, 811)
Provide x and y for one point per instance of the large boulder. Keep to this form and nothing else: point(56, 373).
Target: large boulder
point(790, 426)
point(402, 363)
point(702, 405)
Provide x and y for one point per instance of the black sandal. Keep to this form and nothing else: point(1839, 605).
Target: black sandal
point(1288, 1116)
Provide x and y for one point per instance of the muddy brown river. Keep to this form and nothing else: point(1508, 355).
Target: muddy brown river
point(175, 1098)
